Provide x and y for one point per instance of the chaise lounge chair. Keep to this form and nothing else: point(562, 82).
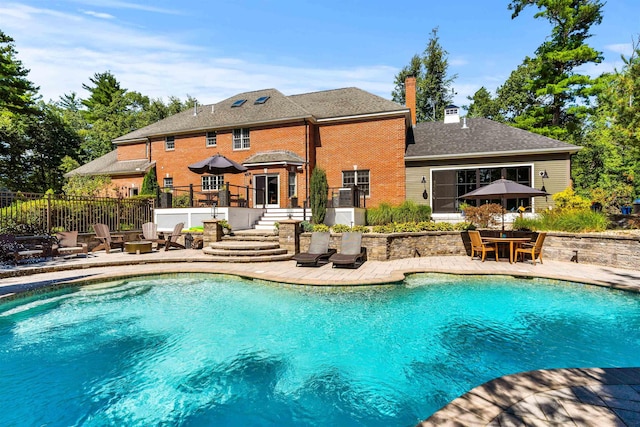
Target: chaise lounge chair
point(533, 249)
point(480, 247)
point(68, 244)
point(172, 239)
point(351, 254)
point(318, 252)
point(107, 241)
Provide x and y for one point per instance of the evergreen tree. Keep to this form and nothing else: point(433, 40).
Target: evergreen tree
point(433, 85)
point(563, 91)
point(149, 183)
point(483, 105)
point(318, 195)
point(17, 93)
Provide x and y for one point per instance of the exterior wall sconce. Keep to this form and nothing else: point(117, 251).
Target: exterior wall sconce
point(425, 194)
point(543, 175)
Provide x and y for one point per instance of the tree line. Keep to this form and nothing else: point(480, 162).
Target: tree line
point(41, 141)
point(548, 94)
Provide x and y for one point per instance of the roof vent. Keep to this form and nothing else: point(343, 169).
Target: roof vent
point(195, 109)
point(464, 123)
point(238, 103)
point(451, 114)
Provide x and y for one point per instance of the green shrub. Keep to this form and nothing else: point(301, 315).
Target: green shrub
point(407, 211)
point(224, 224)
point(464, 226)
point(383, 229)
point(569, 200)
point(322, 228)
point(381, 215)
point(307, 227)
point(340, 228)
point(410, 211)
point(569, 220)
point(360, 229)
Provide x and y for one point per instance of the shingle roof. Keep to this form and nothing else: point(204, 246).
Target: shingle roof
point(278, 108)
point(345, 102)
point(109, 165)
point(481, 137)
point(276, 156)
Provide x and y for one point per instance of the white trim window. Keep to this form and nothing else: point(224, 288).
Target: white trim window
point(212, 182)
point(241, 139)
point(168, 183)
point(357, 177)
point(170, 143)
point(212, 139)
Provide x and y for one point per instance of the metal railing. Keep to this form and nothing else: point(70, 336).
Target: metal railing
point(346, 197)
point(57, 212)
point(195, 196)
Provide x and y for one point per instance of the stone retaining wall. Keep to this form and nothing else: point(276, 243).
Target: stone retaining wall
point(601, 249)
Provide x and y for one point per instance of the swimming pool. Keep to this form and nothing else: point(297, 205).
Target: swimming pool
point(203, 350)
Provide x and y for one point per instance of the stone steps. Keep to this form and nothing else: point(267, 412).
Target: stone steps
point(247, 246)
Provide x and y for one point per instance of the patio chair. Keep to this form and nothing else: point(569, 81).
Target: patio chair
point(68, 244)
point(351, 254)
point(150, 234)
point(107, 240)
point(318, 252)
point(10, 248)
point(480, 247)
point(172, 239)
point(534, 249)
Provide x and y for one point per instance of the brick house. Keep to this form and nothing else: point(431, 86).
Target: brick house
point(355, 136)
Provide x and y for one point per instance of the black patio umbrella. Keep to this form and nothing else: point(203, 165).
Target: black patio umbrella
point(217, 165)
point(503, 189)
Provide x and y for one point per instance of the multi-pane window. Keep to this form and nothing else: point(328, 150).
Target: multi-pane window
point(168, 183)
point(169, 143)
point(212, 139)
point(292, 184)
point(241, 139)
point(357, 177)
point(212, 182)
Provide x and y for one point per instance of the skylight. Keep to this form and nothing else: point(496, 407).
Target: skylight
point(262, 100)
point(238, 103)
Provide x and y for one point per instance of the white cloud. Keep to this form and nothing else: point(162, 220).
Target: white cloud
point(116, 4)
point(621, 48)
point(98, 14)
point(69, 48)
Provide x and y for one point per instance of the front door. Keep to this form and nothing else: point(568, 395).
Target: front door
point(267, 191)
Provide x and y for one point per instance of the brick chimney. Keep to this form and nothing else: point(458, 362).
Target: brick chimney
point(410, 97)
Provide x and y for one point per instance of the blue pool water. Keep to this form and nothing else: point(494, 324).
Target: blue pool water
point(203, 350)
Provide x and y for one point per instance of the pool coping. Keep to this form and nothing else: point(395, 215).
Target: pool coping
point(580, 396)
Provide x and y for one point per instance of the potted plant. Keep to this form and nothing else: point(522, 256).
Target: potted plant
point(226, 227)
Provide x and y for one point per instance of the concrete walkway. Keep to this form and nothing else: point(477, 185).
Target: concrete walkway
point(573, 397)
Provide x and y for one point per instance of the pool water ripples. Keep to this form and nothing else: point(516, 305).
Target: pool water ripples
point(203, 350)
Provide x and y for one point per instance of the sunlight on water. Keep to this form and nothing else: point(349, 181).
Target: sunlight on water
point(214, 350)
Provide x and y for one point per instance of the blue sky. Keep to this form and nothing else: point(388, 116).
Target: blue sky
point(214, 49)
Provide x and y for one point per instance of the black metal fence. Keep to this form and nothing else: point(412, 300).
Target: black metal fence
point(346, 197)
point(57, 212)
point(195, 196)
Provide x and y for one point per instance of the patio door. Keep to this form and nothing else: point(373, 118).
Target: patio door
point(267, 191)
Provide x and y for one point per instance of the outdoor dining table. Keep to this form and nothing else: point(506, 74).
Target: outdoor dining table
point(514, 242)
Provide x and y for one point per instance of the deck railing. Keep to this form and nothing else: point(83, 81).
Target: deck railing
point(23, 213)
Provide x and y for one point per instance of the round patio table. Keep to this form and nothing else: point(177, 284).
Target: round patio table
point(138, 247)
